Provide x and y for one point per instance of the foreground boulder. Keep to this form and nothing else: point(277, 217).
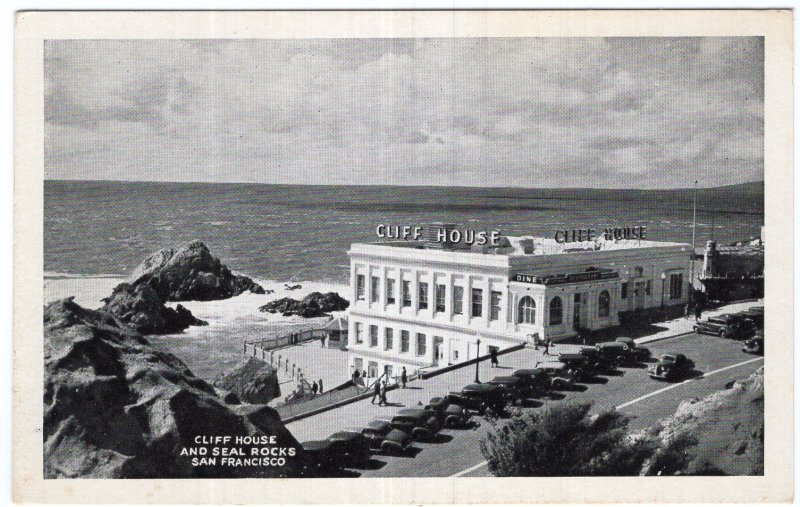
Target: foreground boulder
point(315, 304)
point(252, 381)
point(190, 273)
point(117, 407)
point(140, 308)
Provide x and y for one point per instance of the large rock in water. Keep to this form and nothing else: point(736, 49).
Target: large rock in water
point(252, 380)
point(139, 307)
point(191, 273)
point(315, 304)
point(116, 407)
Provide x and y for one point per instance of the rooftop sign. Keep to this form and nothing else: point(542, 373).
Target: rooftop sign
point(609, 234)
point(585, 276)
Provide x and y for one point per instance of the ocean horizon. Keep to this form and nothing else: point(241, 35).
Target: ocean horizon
point(288, 232)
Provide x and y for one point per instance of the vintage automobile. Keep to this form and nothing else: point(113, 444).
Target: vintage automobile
point(671, 367)
point(640, 353)
point(319, 455)
point(537, 380)
point(382, 436)
point(480, 398)
point(618, 353)
point(580, 365)
point(726, 326)
point(421, 424)
point(517, 389)
point(599, 362)
point(349, 448)
point(755, 345)
point(450, 415)
point(756, 314)
point(558, 373)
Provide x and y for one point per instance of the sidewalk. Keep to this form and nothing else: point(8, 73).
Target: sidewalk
point(684, 325)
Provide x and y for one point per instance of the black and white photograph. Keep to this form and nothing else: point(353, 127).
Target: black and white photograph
point(405, 257)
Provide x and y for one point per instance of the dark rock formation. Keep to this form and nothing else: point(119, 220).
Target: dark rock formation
point(116, 407)
point(139, 307)
point(315, 304)
point(191, 273)
point(252, 381)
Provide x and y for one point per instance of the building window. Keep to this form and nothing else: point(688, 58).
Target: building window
point(623, 291)
point(405, 341)
point(422, 345)
point(360, 289)
point(422, 304)
point(458, 300)
point(375, 290)
point(494, 307)
point(675, 286)
point(477, 302)
point(359, 332)
point(373, 336)
point(648, 289)
point(390, 291)
point(556, 311)
point(527, 311)
point(603, 304)
point(406, 293)
point(441, 293)
point(388, 344)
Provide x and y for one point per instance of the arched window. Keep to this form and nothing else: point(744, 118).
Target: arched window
point(527, 311)
point(556, 311)
point(603, 304)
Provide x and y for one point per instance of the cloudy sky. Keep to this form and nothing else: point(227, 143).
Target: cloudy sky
point(628, 113)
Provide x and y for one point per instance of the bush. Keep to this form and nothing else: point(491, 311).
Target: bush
point(564, 440)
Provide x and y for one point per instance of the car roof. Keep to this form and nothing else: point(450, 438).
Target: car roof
point(345, 435)
point(528, 371)
point(504, 379)
point(316, 445)
point(398, 434)
point(481, 387)
point(378, 424)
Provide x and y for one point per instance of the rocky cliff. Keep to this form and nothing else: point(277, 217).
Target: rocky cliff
point(190, 273)
point(252, 381)
point(315, 304)
point(116, 407)
point(140, 307)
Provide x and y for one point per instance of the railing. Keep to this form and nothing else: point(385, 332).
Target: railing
point(259, 348)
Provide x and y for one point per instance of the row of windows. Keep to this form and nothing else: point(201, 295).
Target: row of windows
point(421, 344)
point(439, 297)
point(526, 313)
point(675, 287)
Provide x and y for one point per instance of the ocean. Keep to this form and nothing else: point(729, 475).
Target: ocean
point(294, 233)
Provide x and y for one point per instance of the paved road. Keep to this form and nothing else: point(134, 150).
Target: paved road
point(644, 399)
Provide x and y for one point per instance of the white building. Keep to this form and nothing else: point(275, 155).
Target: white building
point(419, 304)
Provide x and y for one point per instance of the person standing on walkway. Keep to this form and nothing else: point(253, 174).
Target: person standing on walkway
point(314, 388)
point(403, 377)
point(376, 392)
point(493, 357)
point(320, 386)
point(546, 347)
point(698, 312)
point(383, 394)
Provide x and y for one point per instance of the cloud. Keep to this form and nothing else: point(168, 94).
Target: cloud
point(652, 112)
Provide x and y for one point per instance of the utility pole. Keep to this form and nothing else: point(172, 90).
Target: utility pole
point(478, 362)
point(694, 235)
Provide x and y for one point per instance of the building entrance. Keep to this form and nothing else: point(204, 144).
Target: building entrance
point(438, 350)
point(638, 295)
point(576, 311)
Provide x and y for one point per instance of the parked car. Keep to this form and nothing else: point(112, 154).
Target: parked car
point(558, 373)
point(517, 389)
point(639, 352)
point(755, 345)
point(671, 367)
point(726, 326)
point(450, 415)
point(382, 436)
point(349, 448)
point(618, 353)
point(480, 398)
point(756, 314)
point(599, 362)
point(580, 365)
point(319, 455)
point(537, 380)
point(421, 424)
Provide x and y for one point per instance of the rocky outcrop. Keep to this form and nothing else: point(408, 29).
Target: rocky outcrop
point(139, 307)
point(722, 433)
point(117, 407)
point(252, 381)
point(315, 304)
point(191, 273)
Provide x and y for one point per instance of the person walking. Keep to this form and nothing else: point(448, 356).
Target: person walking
point(493, 357)
point(383, 394)
point(546, 347)
point(320, 386)
point(403, 377)
point(376, 392)
point(364, 373)
point(314, 388)
point(698, 312)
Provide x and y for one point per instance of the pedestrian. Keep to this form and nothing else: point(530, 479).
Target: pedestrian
point(364, 373)
point(403, 377)
point(320, 386)
point(356, 374)
point(314, 388)
point(535, 337)
point(493, 357)
point(383, 394)
point(583, 339)
point(376, 392)
point(546, 348)
point(698, 312)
